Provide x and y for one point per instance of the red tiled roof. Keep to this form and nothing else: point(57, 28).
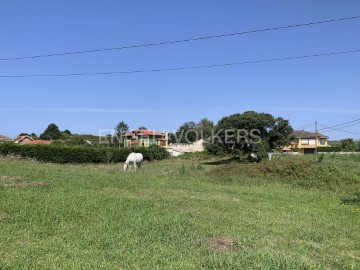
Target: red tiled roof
point(36, 142)
point(144, 132)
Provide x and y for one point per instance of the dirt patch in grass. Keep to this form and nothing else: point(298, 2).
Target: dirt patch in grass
point(19, 182)
point(2, 216)
point(11, 178)
point(223, 243)
point(24, 184)
point(24, 243)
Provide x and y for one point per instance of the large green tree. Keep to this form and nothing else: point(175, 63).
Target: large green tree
point(251, 132)
point(52, 132)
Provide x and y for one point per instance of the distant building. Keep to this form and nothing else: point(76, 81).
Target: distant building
point(5, 139)
point(306, 142)
point(145, 138)
point(176, 149)
point(26, 139)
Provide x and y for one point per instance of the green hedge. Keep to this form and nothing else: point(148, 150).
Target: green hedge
point(79, 154)
point(329, 149)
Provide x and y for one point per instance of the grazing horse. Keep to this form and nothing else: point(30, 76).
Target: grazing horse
point(134, 158)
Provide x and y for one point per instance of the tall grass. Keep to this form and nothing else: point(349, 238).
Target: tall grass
point(98, 217)
point(335, 174)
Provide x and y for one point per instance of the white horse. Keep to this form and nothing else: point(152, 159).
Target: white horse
point(134, 158)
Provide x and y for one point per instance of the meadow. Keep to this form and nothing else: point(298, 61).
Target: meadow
point(185, 213)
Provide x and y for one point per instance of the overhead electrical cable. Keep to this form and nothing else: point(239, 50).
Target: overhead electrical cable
point(336, 129)
point(301, 128)
point(343, 125)
point(180, 68)
point(178, 40)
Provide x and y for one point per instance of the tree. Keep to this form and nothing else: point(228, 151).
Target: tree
point(187, 133)
point(191, 131)
point(120, 130)
point(32, 135)
point(142, 128)
point(172, 137)
point(206, 128)
point(348, 144)
point(252, 132)
point(52, 132)
point(66, 131)
point(281, 133)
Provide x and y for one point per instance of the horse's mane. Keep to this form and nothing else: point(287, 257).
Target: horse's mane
point(129, 157)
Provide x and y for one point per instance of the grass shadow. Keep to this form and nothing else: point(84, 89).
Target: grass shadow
point(222, 161)
point(351, 200)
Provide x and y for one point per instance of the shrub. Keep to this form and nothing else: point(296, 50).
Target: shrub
point(199, 167)
point(293, 171)
point(214, 149)
point(261, 149)
point(155, 152)
point(329, 149)
point(79, 154)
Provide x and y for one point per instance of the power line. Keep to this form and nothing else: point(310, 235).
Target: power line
point(351, 125)
point(305, 126)
point(348, 124)
point(180, 40)
point(179, 68)
point(336, 129)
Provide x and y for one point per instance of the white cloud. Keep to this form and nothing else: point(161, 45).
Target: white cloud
point(86, 110)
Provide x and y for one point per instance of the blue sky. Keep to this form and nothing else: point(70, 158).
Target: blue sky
point(325, 89)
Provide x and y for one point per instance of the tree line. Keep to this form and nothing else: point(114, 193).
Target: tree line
point(240, 133)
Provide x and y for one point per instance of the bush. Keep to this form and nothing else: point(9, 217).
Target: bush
point(214, 149)
point(293, 171)
point(329, 149)
point(153, 152)
point(79, 154)
point(261, 149)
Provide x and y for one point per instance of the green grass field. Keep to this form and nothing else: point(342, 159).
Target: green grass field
point(175, 215)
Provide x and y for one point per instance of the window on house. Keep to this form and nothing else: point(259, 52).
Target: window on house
point(312, 141)
point(304, 141)
point(322, 141)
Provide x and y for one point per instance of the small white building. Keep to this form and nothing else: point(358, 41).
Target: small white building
point(176, 149)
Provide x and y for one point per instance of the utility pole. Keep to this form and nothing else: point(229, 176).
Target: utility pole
point(316, 150)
